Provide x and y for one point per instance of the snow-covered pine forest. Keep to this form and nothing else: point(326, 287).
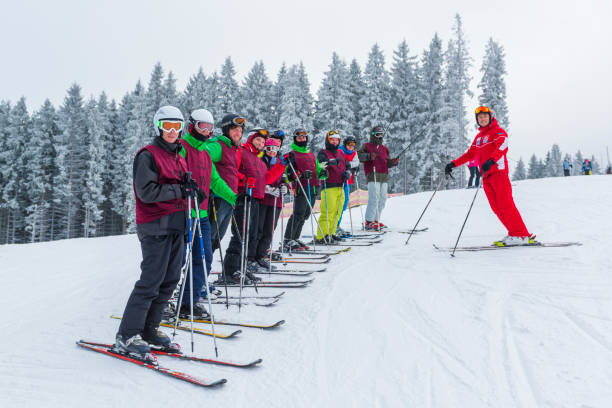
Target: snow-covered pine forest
point(66, 171)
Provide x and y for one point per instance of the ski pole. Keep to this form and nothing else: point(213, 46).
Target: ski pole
point(220, 252)
point(425, 209)
point(206, 272)
point(360, 205)
point(377, 194)
point(348, 197)
point(185, 270)
point(464, 221)
point(326, 211)
point(303, 191)
point(272, 236)
point(246, 246)
point(312, 231)
point(282, 229)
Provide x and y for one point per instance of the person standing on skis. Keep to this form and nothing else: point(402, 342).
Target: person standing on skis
point(348, 149)
point(490, 147)
point(303, 169)
point(160, 190)
point(271, 205)
point(204, 173)
point(376, 163)
point(253, 175)
point(332, 196)
point(225, 152)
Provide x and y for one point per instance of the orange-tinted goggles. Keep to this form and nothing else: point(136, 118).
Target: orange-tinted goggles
point(482, 109)
point(301, 134)
point(168, 125)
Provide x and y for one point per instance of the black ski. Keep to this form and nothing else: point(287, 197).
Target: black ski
point(152, 365)
point(195, 329)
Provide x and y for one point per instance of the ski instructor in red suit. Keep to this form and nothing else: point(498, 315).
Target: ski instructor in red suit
point(490, 147)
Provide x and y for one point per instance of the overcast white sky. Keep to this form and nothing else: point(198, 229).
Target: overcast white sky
point(558, 53)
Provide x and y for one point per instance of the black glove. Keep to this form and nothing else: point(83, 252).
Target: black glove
point(346, 175)
point(486, 166)
point(189, 187)
point(201, 196)
point(333, 162)
point(449, 168)
point(289, 158)
point(323, 173)
point(306, 174)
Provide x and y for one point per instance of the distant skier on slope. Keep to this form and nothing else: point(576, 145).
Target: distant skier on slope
point(567, 166)
point(490, 147)
point(587, 167)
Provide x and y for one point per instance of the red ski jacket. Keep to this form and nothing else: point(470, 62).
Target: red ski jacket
point(490, 143)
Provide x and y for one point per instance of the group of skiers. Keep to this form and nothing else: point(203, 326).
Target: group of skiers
point(225, 181)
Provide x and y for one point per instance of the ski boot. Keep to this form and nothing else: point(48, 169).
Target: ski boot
point(290, 246)
point(265, 264)
point(516, 241)
point(252, 268)
point(322, 241)
point(303, 246)
point(199, 311)
point(134, 347)
point(159, 341)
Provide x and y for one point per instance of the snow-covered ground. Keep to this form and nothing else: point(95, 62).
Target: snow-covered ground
point(386, 326)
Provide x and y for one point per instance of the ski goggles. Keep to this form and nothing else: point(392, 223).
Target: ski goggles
point(482, 109)
point(204, 126)
point(301, 133)
point(237, 121)
point(351, 144)
point(279, 134)
point(262, 132)
point(168, 125)
point(272, 148)
point(333, 134)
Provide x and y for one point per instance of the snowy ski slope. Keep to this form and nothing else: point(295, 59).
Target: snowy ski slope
point(384, 326)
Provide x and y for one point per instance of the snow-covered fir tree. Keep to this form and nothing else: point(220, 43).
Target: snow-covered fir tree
point(493, 83)
point(553, 165)
point(376, 99)
point(93, 197)
point(430, 103)
point(578, 159)
point(520, 173)
point(278, 90)
point(5, 168)
point(16, 197)
point(403, 120)
point(229, 91)
point(169, 96)
point(356, 89)
point(296, 101)
point(46, 132)
point(71, 159)
point(196, 94)
point(333, 106)
point(457, 90)
point(256, 97)
point(111, 149)
point(596, 168)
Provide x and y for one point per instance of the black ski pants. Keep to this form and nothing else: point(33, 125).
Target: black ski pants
point(233, 255)
point(160, 272)
point(223, 212)
point(301, 212)
point(268, 217)
point(474, 172)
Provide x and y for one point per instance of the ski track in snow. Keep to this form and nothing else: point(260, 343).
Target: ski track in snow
point(385, 326)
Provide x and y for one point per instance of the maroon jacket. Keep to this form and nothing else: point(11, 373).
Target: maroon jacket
point(171, 167)
point(199, 164)
point(335, 170)
point(269, 199)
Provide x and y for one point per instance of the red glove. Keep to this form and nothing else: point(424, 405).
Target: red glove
point(250, 182)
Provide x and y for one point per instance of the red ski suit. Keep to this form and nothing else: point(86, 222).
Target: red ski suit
point(492, 143)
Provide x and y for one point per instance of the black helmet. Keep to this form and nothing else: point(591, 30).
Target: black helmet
point(300, 132)
point(349, 139)
point(377, 131)
point(278, 134)
point(229, 120)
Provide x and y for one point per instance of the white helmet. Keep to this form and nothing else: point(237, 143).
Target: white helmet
point(201, 115)
point(166, 113)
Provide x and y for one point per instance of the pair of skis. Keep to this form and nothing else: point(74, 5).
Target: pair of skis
point(107, 349)
point(493, 247)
